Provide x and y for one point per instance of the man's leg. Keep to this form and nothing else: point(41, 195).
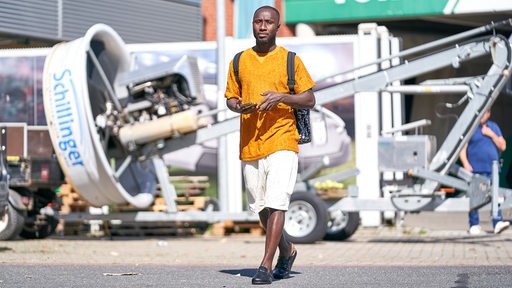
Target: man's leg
point(474, 218)
point(474, 223)
point(498, 224)
point(285, 246)
point(279, 183)
point(498, 219)
point(273, 223)
point(281, 180)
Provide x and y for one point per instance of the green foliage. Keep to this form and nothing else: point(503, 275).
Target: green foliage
point(350, 164)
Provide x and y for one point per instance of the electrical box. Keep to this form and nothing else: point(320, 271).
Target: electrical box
point(401, 153)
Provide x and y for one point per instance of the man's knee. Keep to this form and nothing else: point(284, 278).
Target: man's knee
point(274, 210)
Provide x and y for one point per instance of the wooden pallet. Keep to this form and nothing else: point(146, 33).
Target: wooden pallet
point(229, 227)
point(190, 185)
point(188, 188)
point(194, 203)
point(71, 200)
point(332, 194)
point(134, 228)
point(190, 191)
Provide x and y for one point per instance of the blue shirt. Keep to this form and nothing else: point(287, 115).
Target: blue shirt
point(482, 151)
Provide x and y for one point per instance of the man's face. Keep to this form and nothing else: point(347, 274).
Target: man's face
point(264, 26)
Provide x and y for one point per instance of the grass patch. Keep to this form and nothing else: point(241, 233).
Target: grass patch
point(350, 164)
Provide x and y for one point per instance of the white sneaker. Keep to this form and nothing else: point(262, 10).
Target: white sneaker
point(501, 226)
point(476, 230)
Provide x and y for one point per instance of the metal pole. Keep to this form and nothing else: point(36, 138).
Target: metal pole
point(222, 143)
point(431, 45)
point(495, 189)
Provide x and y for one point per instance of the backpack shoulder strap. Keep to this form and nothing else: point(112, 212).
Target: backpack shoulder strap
point(290, 67)
point(236, 64)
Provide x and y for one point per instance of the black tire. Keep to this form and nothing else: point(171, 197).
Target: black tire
point(306, 218)
point(40, 222)
point(210, 205)
point(12, 223)
point(45, 227)
point(342, 225)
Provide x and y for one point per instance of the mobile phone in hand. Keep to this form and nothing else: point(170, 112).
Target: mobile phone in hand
point(247, 105)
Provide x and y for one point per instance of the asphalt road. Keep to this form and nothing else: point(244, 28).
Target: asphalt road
point(429, 250)
point(87, 276)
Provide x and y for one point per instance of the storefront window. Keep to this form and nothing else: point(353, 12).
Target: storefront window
point(21, 95)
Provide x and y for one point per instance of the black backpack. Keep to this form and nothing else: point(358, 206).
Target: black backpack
point(301, 115)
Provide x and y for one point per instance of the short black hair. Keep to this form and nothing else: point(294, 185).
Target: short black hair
point(271, 8)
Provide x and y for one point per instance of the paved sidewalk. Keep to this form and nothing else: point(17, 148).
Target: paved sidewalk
point(424, 239)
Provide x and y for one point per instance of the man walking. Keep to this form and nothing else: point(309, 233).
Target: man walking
point(268, 135)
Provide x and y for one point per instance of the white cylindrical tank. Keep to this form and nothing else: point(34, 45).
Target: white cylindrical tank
point(161, 128)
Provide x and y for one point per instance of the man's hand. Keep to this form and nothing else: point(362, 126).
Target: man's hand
point(487, 131)
point(248, 107)
point(270, 101)
point(499, 141)
point(236, 105)
point(467, 166)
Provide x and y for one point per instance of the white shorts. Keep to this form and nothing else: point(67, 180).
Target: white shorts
point(270, 181)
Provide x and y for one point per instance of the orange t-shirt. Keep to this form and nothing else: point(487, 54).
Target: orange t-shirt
point(263, 133)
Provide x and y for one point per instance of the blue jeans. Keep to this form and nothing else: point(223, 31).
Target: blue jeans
point(474, 218)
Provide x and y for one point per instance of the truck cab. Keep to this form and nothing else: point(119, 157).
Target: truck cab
point(30, 175)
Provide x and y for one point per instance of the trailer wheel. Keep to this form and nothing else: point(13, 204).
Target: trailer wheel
point(11, 224)
point(306, 218)
point(210, 205)
point(39, 226)
point(342, 225)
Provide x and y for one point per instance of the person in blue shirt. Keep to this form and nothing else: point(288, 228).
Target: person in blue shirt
point(477, 156)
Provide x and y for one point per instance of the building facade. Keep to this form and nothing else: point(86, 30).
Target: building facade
point(35, 23)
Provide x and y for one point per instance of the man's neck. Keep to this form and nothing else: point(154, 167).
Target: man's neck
point(264, 48)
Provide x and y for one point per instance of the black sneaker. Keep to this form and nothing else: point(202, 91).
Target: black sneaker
point(284, 266)
point(263, 276)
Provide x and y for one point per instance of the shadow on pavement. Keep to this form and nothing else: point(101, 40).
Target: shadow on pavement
point(240, 272)
point(248, 272)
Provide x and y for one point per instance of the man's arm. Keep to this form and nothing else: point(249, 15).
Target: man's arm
point(304, 100)
point(463, 156)
point(499, 141)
